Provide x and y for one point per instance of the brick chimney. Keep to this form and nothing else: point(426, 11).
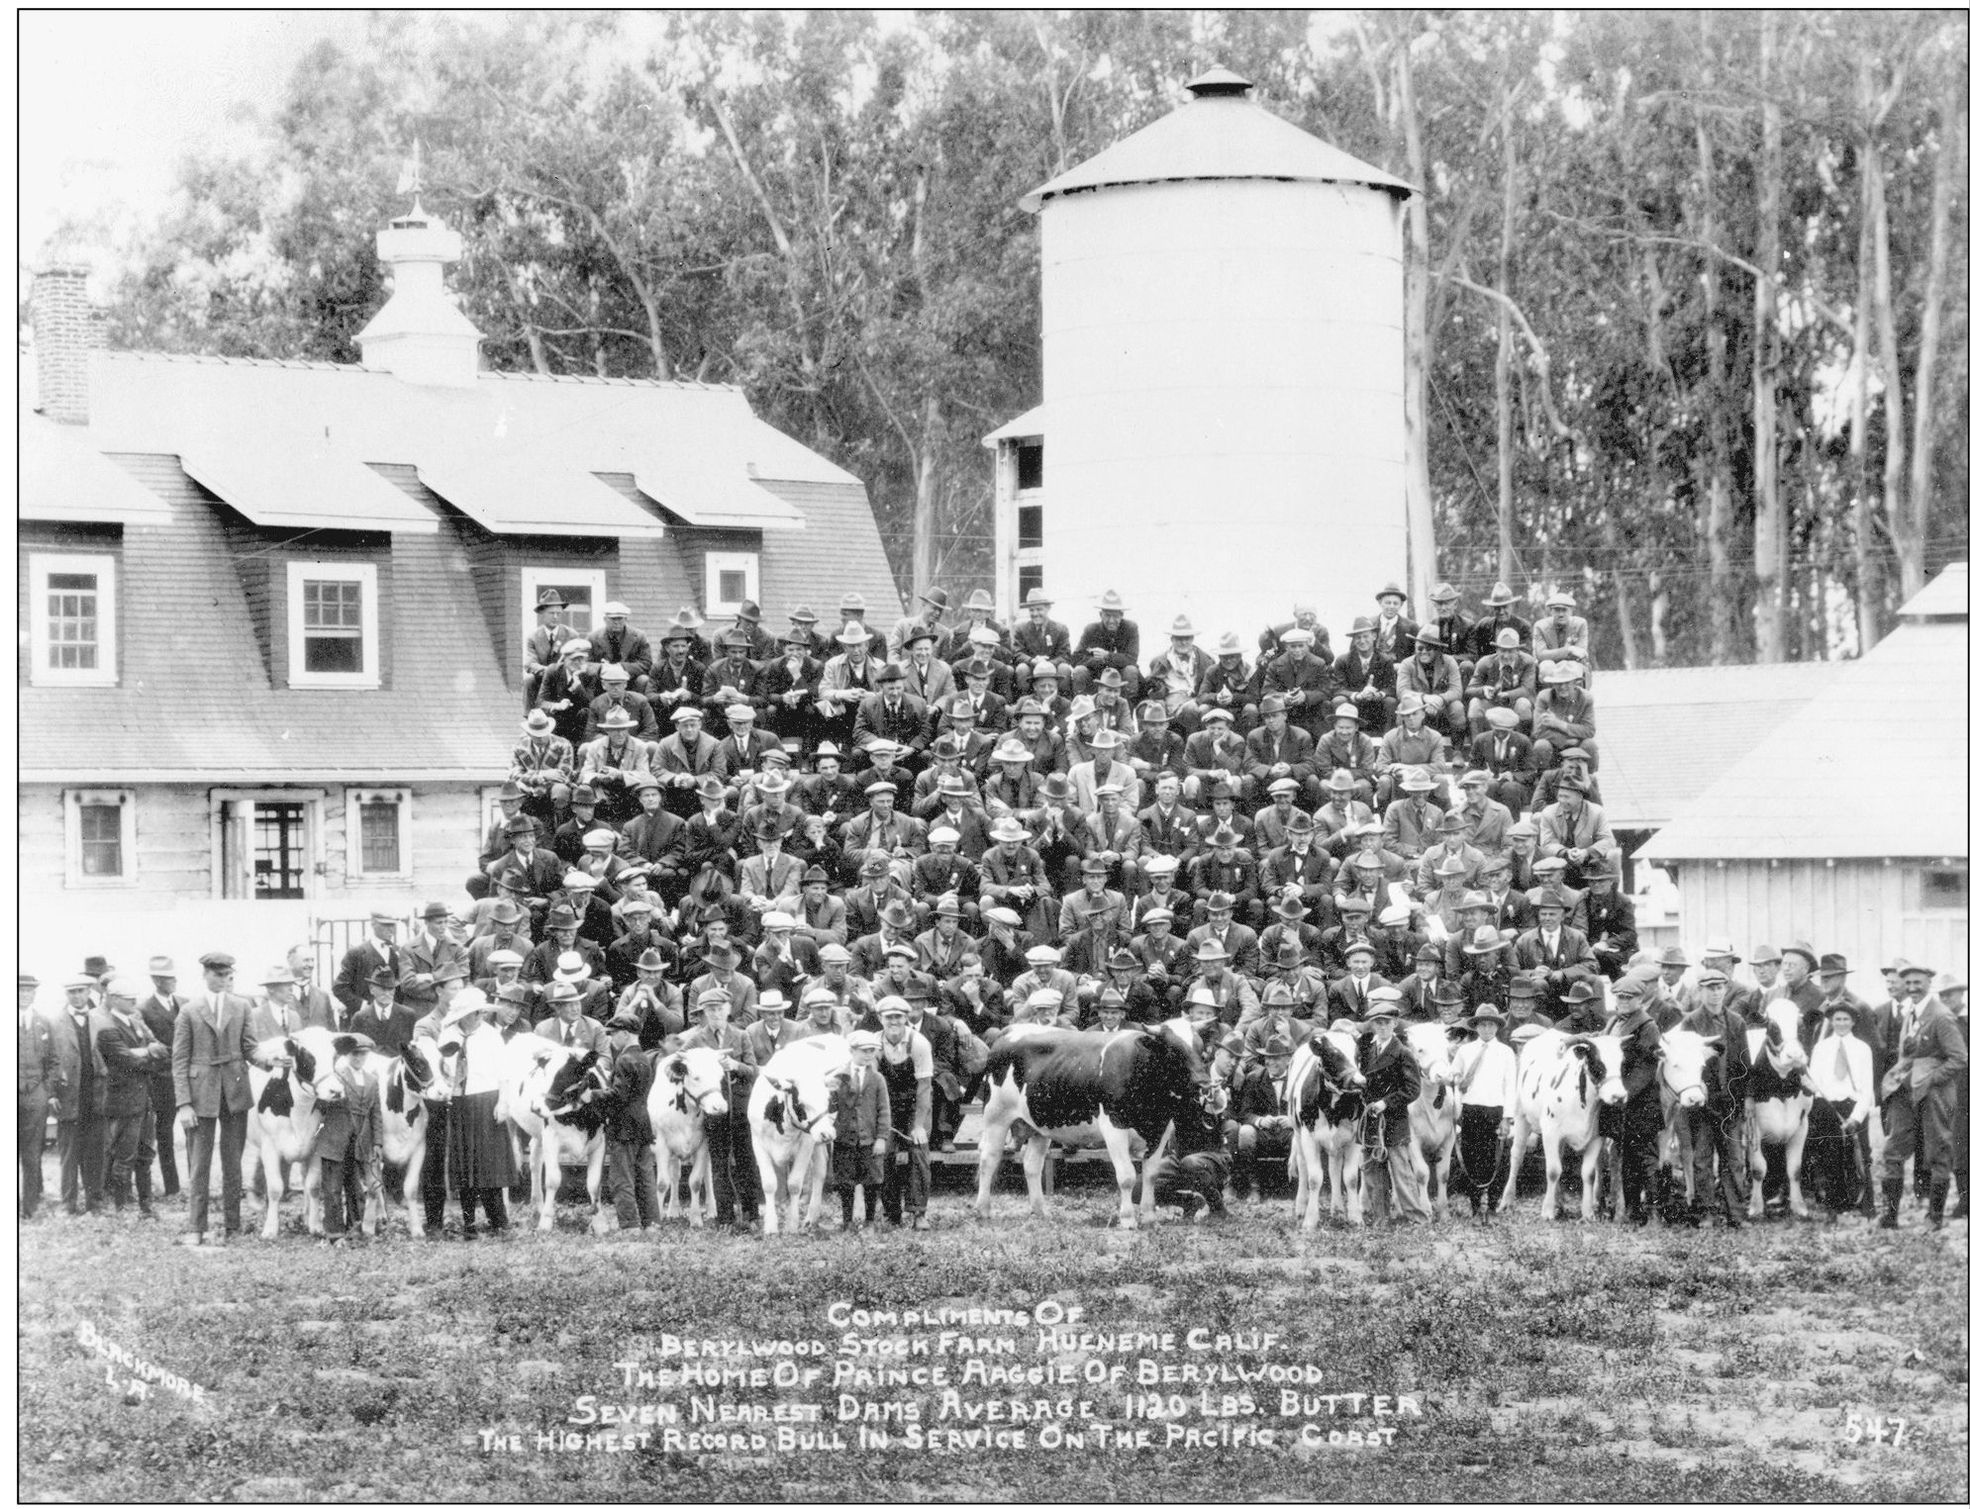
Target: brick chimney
point(64, 334)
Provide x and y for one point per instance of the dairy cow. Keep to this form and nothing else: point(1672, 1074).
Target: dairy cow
point(1679, 1082)
point(289, 1077)
point(404, 1086)
point(1047, 1080)
point(548, 1091)
point(1433, 1114)
point(1780, 1097)
point(1564, 1080)
point(688, 1087)
point(790, 1112)
point(1323, 1098)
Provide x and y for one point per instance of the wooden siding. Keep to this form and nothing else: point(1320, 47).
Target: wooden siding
point(655, 584)
point(40, 537)
point(1870, 910)
point(839, 551)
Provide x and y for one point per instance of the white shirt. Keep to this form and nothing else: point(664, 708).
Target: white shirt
point(485, 1058)
point(1857, 1084)
point(1496, 1065)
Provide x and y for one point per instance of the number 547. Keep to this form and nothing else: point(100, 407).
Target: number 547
point(1888, 1432)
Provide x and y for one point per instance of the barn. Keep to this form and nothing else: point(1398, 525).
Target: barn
point(1845, 824)
point(272, 613)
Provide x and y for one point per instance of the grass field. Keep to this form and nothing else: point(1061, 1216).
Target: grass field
point(1549, 1362)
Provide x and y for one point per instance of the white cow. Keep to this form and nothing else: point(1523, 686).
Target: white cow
point(540, 1093)
point(1564, 1079)
point(1781, 1100)
point(1323, 1098)
point(289, 1077)
point(406, 1088)
point(791, 1114)
point(688, 1087)
point(1679, 1083)
point(1433, 1114)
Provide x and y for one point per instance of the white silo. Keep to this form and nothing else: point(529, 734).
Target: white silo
point(1222, 313)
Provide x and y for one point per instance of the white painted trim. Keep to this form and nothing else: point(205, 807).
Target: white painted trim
point(73, 801)
point(370, 676)
point(718, 561)
point(243, 799)
point(355, 798)
point(39, 567)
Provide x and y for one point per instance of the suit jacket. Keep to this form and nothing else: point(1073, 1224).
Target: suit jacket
point(862, 1117)
point(627, 647)
point(352, 1127)
point(1041, 641)
point(728, 1040)
point(1204, 753)
point(266, 1028)
point(907, 835)
point(1369, 683)
point(1394, 1078)
point(634, 703)
point(39, 1065)
point(778, 882)
point(365, 959)
point(80, 1076)
point(210, 1051)
point(599, 762)
point(1081, 778)
point(1395, 638)
point(1930, 1054)
point(1571, 961)
point(763, 1044)
point(1348, 997)
point(1239, 941)
point(588, 1034)
point(929, 684)
point(125, 1049)
point(1102, 647)
point(1292, 747)
point(908, 723)
point(1589, 830)
point(655, 838)
point(749, 758)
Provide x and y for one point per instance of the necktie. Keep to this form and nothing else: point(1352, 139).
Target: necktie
point(1570, 832)
point(1840, 1070)
point(858, 1081)
point(1464, 1084)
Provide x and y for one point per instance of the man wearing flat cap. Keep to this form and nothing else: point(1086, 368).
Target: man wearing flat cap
point(210, 1050)
point(1717, 1126)
point(617, 644)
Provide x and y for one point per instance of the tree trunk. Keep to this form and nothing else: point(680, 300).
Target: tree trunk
point(1502, 374)
point(1659, 616)
point(1867, 566)
point(923, 537)
point(1769, 529)
point(1718, 516)
point(1416, 337)
point(1894, 462)
point(1936, 288)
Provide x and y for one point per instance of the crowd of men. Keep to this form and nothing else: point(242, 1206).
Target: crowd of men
point(933, 834)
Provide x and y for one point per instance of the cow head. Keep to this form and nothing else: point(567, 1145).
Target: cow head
point(1782, 1048)
point(578, 1072)
point(695, 1080)
point(801, 1105)
point(1684, 1055)
point(1594, 1054)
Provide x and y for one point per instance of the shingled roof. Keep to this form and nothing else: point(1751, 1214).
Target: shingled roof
point(1871, 767)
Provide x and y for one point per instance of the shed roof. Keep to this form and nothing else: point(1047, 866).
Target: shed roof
point(1665, 735)
point(1216, 137)
point(1948, 596)
point(515, 451)
point(1871, 767)
point(65, 480)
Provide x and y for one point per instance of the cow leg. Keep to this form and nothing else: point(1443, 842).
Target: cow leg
point(270, 1170)
point(1117, 1140)
point(1549, 1141)
point(1306, 1199)
point(311, 1196)
point(1590, 1178)
point(770, 1181)
point(1754, 1125)
point(991, 1150)
point(1350, 1179)
point(414, 1179)
point(1795, 1158)
point(547, 1189)
point(1152, 1168)
point(1521, 1134)
point(1034, 1158)
point(597, 1157)
point(815, 1186)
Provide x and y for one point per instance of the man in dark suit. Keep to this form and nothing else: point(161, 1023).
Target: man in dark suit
point(618, 644)
point(378, 951)
point(40, 1082)
point(1610, 924)
point(1918, 1095)
point(210, 1050)
point(895, 715)
point(133, 1058)
point(1395, 631)
point(1556, 953)
point(1394, 1080)
point(862, 1120)
point(1112, 642)
point(160, 1012)
point(79, 1125)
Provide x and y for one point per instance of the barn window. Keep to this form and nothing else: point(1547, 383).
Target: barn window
point(1942, 889)
point(331, 625)
point(1032, 531)
point(73, 620)
point(1031, 470)
point(731, 578)
point(100, 833)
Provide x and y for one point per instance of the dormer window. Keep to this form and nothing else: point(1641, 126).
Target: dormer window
point(331, 625)
point(72, 633)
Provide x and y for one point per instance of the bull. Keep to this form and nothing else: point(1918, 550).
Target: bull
point(1564, 1080)
point(688, 1087)
point(1046, 1081)
point(791, 1114)
point(1323, 1098)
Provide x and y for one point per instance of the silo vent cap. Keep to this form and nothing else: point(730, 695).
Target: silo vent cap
point(1219, 83)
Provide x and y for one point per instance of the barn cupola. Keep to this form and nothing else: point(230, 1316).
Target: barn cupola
point(419, 335)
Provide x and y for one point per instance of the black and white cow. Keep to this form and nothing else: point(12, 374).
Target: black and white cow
point(541, 1094)
point(688, 1086)
point(1050, 1079)
point(403, 1086)
point(790, 1111)
point(1779, 1101)
point(288, 1077)
point(1323, 1098)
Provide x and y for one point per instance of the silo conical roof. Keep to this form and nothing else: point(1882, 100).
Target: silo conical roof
point(1219, 134)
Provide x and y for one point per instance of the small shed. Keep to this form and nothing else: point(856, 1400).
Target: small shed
point(1848, 823)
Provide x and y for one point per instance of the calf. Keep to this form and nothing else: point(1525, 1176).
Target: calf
point(689, 1086)
point(1780, 1098)
point(1564, 1080)
point(792, 1118)
point(1323, 1097)
point(541, 1095)
point(289, 1077)
point(1051, 1079)
point(1433, 1114)
point(404, 1086)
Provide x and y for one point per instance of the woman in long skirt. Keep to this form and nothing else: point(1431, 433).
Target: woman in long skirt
point(481, 1149)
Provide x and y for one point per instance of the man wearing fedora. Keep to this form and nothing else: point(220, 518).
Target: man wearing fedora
point(1230, 683)
point(1918, 1097)
point(1482, 637)
point(1506, 678)
point(545, 642)
point(617, 644)
point(936, 608)
point(1038, 637)
point(1301, 681)
point(1717, 1143)
point(1390, 1189)
point(895, 714)
point(1364, 679)
point(210, 1049)
point(1176, 677)
point(1561, 636)
point(542, 767)
point(616, 694)
point(678, 678)
point(1486, 1072)
point(1432, 674)
point(1843, 1074)
point(1562, 714)
point(1279, 748)
point(1111, 642)
point(608, 762)
point(1261, 1123)
point(1395, 631)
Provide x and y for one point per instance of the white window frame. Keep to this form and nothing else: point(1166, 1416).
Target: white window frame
point(720, 561)
point(73, 801)
point(242, 800)
point(355, 798)
point(39, 568)
point(534, 578)
point(298, 676)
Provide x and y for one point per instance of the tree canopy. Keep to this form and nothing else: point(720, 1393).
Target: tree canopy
point(1687, 292)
